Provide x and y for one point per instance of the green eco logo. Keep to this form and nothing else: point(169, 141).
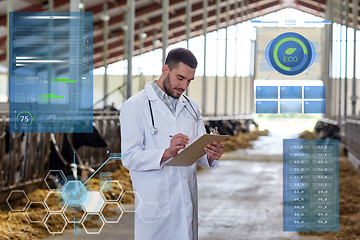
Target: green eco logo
point(290, 53)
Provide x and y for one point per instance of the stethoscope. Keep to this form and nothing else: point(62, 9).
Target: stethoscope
point(155, 130)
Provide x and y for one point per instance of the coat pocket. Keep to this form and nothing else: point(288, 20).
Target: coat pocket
point(153, 190)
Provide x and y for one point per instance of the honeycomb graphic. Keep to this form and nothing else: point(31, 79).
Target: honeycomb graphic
point(75, 205)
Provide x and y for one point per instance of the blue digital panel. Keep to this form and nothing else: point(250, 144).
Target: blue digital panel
point(267, 92)
point(290, 107)
point(314, 92)
point(291, 92)
point(266, 107)
point(50, 71)
point(311, 185)
point(314, 106)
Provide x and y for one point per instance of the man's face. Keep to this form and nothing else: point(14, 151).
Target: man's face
point(178, 80)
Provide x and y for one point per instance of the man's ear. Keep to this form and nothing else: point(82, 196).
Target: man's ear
point(165, 70)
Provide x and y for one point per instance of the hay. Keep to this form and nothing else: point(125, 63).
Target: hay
point(349, 200)
point(36, 231)
point(243, 140)
point(308, 135)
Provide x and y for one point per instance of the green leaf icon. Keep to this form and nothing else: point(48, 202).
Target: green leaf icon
point(290, 51)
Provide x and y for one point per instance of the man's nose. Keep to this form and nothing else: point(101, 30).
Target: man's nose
point(184, 85)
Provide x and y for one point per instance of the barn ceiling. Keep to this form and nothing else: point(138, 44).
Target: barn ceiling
point(148, 14)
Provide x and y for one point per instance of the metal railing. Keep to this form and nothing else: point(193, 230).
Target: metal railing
point(352, 140)
point(25, 157)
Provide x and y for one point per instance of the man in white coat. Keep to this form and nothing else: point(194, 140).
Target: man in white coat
point(156, 123)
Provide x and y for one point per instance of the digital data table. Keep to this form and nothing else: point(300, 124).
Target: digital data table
point(50, 72)
point(311, 185)
point(290, 99)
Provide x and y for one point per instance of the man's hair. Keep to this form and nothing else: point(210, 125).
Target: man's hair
point(180, 55)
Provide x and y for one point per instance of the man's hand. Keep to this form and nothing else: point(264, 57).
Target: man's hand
point(177, 143)
point(214, 151)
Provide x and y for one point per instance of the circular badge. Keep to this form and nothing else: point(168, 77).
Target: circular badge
point(24, 119)
point(290, 53)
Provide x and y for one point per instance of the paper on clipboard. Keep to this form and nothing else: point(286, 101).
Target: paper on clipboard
point(195, 150)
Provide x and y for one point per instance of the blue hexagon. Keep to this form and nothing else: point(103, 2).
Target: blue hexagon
point(74, 193)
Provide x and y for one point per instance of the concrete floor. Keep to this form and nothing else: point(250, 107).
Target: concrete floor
point(240, 199)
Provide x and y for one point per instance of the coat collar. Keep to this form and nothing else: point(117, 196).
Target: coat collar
point(150, 92)
point(152, 96)
point(180, 104)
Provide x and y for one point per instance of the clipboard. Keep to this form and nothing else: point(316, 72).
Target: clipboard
point(195, 150)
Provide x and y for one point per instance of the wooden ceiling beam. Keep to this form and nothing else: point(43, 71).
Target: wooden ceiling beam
point(178, 35)
point(99, 8)
point(36, 2)
point(176, 17)
point(172, 26)
point(149, 27)
point(175, 26)
point(34, 8)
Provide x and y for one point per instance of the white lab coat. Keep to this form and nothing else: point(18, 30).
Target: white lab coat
point(171, 189)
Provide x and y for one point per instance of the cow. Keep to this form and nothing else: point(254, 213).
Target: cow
point(64, 156)
point(62, 147)
point(326, 130)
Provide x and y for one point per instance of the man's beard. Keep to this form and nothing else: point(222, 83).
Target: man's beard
point(167, 88)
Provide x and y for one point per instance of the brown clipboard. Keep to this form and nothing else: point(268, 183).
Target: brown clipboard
point(195, 150)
